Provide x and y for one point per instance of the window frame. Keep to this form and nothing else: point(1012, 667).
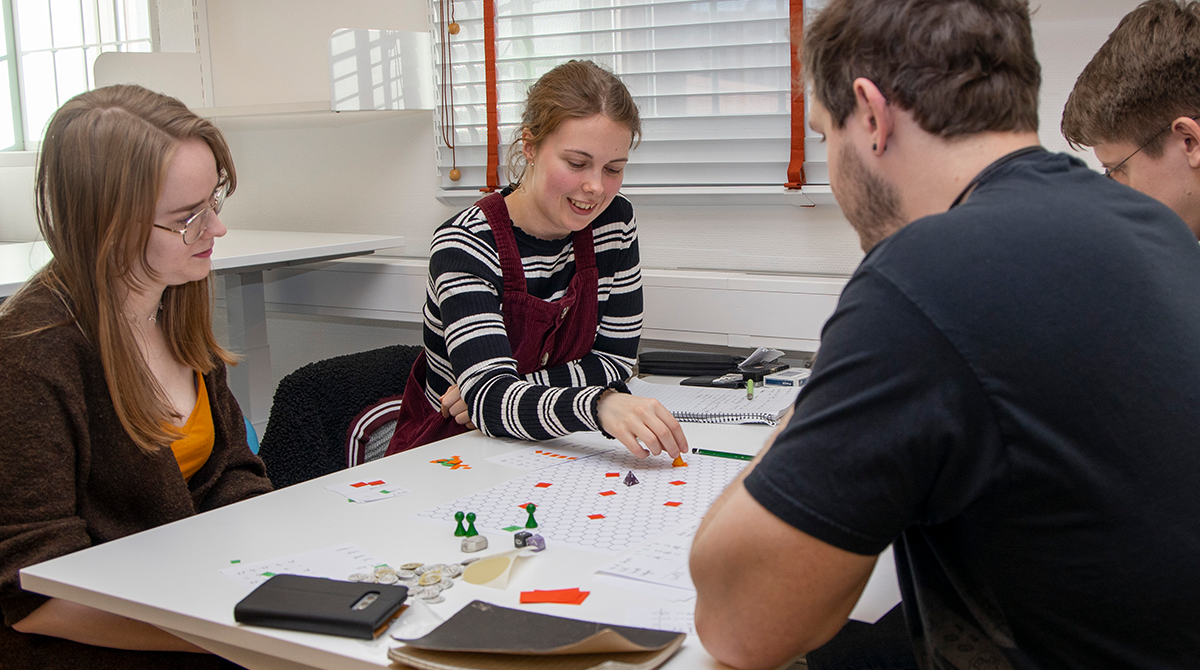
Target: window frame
point(725, 194)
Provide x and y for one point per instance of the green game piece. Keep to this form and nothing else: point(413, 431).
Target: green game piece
point(512, 528)
point(531, 523)
point(460, 531)
point(471, 532)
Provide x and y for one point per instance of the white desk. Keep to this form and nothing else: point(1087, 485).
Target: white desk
point(170, 575)
point(241, 256)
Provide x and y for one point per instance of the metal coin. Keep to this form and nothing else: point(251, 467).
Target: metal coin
point(433, 599)
point(436, 567)
point(417, 591)
point(362, 577)
point(430, 578)
point(445, 584)
point(387, 578)
point(406, 574)
point(411, 566)
point(410, 582)
point(452, 571)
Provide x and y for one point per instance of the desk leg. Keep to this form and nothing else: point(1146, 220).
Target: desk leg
point(250, 380)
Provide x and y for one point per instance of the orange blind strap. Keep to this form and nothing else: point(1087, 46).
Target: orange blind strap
point(795, 172)
point(493, 121)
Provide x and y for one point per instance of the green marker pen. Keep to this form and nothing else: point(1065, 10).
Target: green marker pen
point(722, 454)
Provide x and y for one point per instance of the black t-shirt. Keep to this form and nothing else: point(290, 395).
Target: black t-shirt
point(1007, 391)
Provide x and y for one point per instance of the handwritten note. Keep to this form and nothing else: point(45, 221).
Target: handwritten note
point(337, 562)
point(663, 560)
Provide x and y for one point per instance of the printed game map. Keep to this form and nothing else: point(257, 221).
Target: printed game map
point(584, 502)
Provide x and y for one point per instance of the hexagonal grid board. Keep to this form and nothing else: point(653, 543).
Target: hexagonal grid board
point(586, 504)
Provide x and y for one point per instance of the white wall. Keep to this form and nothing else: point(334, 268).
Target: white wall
point(380, 176)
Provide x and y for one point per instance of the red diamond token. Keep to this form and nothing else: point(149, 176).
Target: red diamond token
point(672, 504)
point(595, 516)
point(543, 485)
point(678, 483)
point(608, 493)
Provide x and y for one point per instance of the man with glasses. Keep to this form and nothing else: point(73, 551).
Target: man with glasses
point(1005, 393)
point(1137, 102)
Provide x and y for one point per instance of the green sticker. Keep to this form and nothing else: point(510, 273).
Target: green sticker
point(512, 528)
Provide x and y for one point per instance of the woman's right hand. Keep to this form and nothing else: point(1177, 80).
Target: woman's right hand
point(454, 405)
point(631, 419)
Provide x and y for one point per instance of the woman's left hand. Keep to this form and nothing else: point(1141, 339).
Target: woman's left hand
point(454, 405)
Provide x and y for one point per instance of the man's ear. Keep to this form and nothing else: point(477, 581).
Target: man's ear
point(1187, 128)
point(874, 113)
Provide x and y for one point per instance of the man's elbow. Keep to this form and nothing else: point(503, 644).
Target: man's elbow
point(738, 643)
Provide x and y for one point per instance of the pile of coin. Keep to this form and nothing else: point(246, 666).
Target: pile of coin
point(423, 581)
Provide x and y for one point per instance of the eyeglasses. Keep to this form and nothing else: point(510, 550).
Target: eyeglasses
point(1108, 172)
point(191, 228)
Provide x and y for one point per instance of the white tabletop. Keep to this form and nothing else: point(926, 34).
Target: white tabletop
point(237, 250)
point(170, 575)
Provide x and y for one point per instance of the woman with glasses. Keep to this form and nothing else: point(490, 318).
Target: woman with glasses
point(115, 414)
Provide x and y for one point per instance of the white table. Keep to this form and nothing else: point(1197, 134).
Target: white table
point(170, 575)
point(240, 256)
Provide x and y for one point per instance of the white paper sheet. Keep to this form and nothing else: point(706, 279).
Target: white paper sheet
point(336, 562)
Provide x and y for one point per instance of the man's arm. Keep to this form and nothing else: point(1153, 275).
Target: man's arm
point(767, 592)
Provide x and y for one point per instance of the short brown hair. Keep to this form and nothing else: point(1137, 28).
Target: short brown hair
point(959, 66)
point(100, 174)
point(1146, 75)
point(577, 89)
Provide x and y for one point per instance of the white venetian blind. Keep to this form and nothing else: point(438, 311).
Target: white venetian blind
point(711, 79)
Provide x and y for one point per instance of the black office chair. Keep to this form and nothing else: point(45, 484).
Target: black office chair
point(309, 431)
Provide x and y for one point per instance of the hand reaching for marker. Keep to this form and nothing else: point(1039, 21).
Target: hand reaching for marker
point(631, 418)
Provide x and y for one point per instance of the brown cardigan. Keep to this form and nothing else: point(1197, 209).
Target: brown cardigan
point(72, 478)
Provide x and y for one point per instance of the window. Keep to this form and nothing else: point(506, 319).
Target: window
point(712, 80)
point(49, 49)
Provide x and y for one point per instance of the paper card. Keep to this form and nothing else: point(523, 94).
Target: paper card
point(365, 491)
point(678, 618)
point(336, 562)
point(663, 560)
point(548, 453)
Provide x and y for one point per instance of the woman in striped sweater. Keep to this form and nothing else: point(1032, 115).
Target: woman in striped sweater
point(534, 305)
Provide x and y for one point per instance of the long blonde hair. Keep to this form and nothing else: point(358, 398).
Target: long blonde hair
point(100, 173)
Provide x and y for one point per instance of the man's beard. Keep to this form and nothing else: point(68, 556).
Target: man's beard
point(871, 205)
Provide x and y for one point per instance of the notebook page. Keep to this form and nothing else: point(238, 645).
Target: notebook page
point(701, 402)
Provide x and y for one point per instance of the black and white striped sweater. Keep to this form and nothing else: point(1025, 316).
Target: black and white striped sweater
point(465, 339)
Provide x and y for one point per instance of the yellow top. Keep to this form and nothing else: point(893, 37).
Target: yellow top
point(193, 449)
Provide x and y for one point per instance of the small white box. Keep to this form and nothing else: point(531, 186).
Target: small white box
point(788, 377)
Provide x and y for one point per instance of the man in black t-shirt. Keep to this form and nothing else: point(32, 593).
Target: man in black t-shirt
point(1005, 391)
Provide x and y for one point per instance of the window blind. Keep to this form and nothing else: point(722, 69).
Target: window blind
point(712, 81)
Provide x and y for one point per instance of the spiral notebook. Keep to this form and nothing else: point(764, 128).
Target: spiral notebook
point(706, 404)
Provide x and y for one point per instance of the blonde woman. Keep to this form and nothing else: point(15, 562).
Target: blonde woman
point(115, 415)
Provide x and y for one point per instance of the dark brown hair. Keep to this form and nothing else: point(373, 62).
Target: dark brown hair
point(959, 66)
point(1145, 76)
point(100, 174)
point(577, 89)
